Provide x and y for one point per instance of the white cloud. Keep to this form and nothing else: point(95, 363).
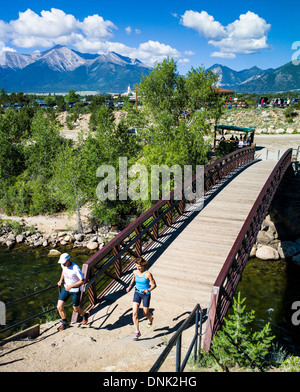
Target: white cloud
point(223, 55)
point(95, 26)
point(204, 24)
point(154, 51)
point(189, 53)
point(128, 30)
point(147, 52)
point(53, 27)
point(246, 35)
point(4, 48)
point(248, 26)
point(91, 35)
point(184, 61)
point(51, 24)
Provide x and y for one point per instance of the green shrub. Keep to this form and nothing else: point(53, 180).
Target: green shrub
point(292, 364)
point(236, 345)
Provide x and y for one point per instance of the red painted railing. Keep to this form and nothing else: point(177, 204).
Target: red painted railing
point(104, 270)
point(230, 275)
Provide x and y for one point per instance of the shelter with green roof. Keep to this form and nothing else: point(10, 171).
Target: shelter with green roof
point(233, 128)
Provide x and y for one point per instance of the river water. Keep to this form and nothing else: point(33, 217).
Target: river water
point(25, 272)
point(270, 288)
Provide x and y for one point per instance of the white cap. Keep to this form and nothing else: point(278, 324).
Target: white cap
point(64, 257)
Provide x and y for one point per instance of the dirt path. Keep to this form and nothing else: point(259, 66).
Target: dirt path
point(103, 345)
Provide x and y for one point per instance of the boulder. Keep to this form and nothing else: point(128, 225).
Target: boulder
point(263, 238)
point(77, 244)
point(269, 227)
point(290, 130)
point(253, 251)
point(69, 238)
point(20, 238)
point(54, 253)
point(10, 244)
point(88, 230)
point(92, 245)
point(79, 237)
point(100, 240)
point(38, 243)
point(266, 252)
point(11, 237)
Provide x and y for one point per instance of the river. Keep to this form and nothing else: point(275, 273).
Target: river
point(270, 289)
point(25, 272)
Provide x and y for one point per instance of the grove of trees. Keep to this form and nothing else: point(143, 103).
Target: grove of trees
point(42, 172)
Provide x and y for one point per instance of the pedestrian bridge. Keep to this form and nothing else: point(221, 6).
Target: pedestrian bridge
point(196, 255)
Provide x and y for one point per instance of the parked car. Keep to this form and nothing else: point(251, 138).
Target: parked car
point(119, 105)
point(132, 131)
point(110, 104)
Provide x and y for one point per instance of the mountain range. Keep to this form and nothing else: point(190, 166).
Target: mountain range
point(60, 69)
point(256, 80)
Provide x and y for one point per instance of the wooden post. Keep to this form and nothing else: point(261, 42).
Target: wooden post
point(118, 267)
point(169, 214)
point(138, 243)
point(211, 318)
point(155, 225)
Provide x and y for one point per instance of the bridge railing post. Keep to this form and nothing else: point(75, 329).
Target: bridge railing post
point(118, 267)
point(138, 244)
point(169, 214)
point(208, 336)
point(155, 225)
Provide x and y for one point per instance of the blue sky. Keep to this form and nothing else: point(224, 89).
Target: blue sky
point(238, 34)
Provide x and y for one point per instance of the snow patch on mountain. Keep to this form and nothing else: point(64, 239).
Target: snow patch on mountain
point(62, 59)
point(14, 60)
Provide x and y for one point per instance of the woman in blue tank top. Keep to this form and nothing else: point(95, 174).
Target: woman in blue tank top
point(144, 284)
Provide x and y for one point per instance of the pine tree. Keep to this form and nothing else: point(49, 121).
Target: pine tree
point(236, 344)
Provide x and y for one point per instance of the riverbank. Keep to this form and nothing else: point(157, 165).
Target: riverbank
point(270, 247)
point(53, 232)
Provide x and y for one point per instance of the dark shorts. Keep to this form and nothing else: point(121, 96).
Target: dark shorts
point(64, 296)
point(138, 297)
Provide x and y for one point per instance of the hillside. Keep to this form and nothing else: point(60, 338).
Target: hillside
point(267, 120)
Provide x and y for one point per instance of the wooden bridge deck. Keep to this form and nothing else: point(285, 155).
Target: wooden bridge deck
point(186, 271)
point(187, 261)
